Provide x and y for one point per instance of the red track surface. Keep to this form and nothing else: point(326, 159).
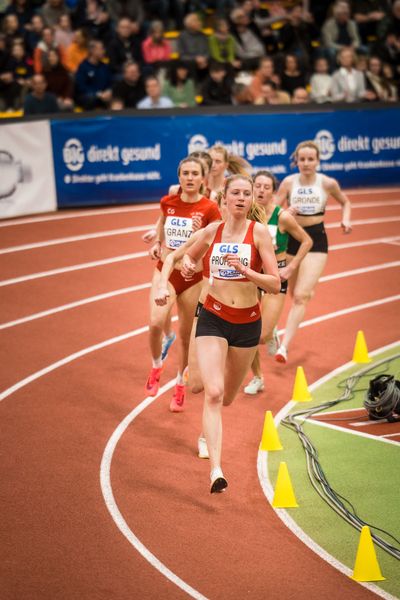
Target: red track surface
point(58, 538)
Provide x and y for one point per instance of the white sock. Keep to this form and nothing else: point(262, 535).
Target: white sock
point(215, 473)
point(179, 379)
point(157, 362)
point(169, 336)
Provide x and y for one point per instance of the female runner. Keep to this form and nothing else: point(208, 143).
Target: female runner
point(281, 223)
point(307, 192)
point(229, 324)
point(225, 163)
point(180, 215)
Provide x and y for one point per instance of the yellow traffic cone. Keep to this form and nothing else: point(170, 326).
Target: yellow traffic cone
point(360, 354)
point(284, 495)
point(366, 567)
point(270, 438)
point(300, 389)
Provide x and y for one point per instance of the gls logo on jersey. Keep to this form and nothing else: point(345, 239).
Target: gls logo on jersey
point(178, 222)
point(229, 248)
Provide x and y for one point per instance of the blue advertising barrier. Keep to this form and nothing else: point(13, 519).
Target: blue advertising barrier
point(125, 159)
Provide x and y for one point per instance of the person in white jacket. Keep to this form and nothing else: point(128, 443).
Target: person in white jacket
point(348, 83)
point(321, 82)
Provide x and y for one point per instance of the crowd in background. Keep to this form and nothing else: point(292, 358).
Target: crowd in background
point(65, 55)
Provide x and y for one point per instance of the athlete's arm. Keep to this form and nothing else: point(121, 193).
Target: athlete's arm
point(269, 280)
point(334, 189)
point(199, 248)
point(155, 250)
point(283, 192)
point(287, 223)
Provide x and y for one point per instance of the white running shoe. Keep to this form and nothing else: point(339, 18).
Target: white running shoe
point(281, 355)
point(218, 481)
point(202, 448)
point(273, 345)
point(256, 385)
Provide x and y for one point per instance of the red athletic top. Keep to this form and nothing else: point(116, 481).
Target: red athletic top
point(214, 263)
point(179, 214)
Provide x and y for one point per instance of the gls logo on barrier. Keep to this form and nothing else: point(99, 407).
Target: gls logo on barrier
point(73, 154)
point(326, 144)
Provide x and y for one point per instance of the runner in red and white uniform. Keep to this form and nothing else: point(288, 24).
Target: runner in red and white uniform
point(180, 216)
point(229, 324)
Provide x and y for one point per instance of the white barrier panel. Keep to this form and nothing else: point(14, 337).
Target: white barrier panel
point(27, 184)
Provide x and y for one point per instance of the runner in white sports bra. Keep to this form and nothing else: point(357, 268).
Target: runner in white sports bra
point(306, 193)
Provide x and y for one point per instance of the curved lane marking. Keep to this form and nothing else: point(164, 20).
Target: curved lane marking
point(75, 238)
point(266, 485)
point(108, 453)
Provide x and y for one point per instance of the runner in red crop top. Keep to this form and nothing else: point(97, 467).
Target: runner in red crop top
point(180, 216)
point(229, 324)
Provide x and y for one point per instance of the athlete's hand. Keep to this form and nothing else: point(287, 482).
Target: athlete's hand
point(196, 223)
point(286, 272)
point(155, 251)
point(161, 296)
point(346, 227)
point(149, 236)
point(233, 261)
point(188, 267)
point(291, 210)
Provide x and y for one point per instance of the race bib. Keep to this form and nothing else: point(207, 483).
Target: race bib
point(220, 269)
point(307, 201)
point(177, 231)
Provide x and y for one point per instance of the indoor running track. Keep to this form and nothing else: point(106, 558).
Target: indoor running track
point(101, 501)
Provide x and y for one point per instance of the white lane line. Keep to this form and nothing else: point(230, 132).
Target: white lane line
point(363, 434)
point(266, 485)
point(111, 504)
point(75, 238)
point(361, 271)
point(392, 435)
point(357, 205)
point(364, 222)
point(135, 255)
point(57, 309)
point(116, 513)
point(367, 423)
point(142, 286)
point(370, 242)
point(78, 267)
point(79, 214)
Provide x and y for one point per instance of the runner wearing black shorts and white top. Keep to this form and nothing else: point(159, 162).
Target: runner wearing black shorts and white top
point(229, 324)
point(306, 194)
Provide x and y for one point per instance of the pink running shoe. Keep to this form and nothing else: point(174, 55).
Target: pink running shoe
point(153, 382)
point(178, 399)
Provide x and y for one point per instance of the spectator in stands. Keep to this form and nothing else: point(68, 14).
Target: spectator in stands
point(270, 94)
point(347, 82)
point(216, 89)
point(40, 53)
point(34, 32)
point(52, 10)
point(368, 14)
point(125, 45)
point(130, 89)
point(116, 104)
point(59, 82)
point(264, 74)
point(241, 95)
point(391, 22)
point(21, 69)
point(179, 86)
point(321, 81)
point(298, 33)
point(156, 50)
point(92, 15)
point(77, 51)
point(378, 86)
point(167, 9)
point(40, 102)
point(12, 30)
point(193, 47)
point(10, 90)
point(340, 31)
point(263, 20)
point(222, 44)
point(23, 10)
point(293, 76)
point(300, 96)
point(154, 99)
point(93, 79)
point(133, 9)
point(63, 32)
point(249, 47)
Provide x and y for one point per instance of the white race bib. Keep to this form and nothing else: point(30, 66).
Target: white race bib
point(177, 231)
point(218, 265)
point(273, 229)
